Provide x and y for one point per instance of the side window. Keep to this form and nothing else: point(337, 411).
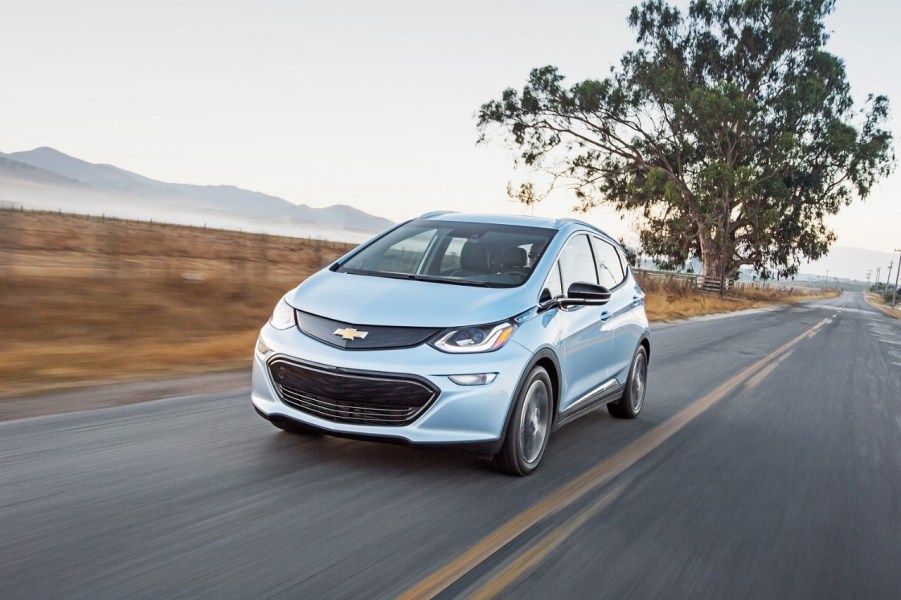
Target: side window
point(577, 262)
point(553, 283)
point(610, 269)
point(623, 261)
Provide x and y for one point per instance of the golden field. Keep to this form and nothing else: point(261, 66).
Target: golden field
point(85, 298)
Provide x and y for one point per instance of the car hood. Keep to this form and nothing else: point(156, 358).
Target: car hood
point(369, 300)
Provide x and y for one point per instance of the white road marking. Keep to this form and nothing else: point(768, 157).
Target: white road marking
point(853, 310)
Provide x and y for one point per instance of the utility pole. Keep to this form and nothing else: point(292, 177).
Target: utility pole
point(868, 280)
point(898, 272)
point(888, 279)
point(878, 280)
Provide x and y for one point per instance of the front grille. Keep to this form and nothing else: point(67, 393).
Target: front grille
point(373, 336)
point(353, 397)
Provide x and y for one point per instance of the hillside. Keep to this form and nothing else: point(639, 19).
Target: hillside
point(47, 179)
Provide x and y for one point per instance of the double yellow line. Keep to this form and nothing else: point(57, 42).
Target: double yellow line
point(598, 475)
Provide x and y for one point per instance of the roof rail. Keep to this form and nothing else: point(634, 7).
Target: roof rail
point(567, 220)
point(436, 213)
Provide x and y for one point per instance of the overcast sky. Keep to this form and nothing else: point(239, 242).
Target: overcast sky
point(345, 102)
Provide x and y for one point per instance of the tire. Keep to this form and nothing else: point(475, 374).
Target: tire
point(632, 401)
point(525, 439)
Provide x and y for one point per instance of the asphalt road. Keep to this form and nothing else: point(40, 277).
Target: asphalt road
point(765, 464)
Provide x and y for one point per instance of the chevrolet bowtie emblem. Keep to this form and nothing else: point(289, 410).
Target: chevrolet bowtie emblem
point(349, 333)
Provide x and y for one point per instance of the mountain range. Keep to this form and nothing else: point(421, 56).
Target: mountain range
point(47, 179)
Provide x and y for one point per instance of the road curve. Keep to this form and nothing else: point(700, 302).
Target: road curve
point(785, 482)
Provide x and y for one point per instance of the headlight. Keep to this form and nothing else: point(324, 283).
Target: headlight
point(283, 315)
point(480, 338)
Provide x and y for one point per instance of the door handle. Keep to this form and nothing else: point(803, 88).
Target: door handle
point(636, 300)
point(605, 316)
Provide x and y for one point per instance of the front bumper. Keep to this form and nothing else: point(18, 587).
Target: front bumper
point(468, 415)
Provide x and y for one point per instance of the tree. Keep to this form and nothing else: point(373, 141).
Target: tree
point(730, 130)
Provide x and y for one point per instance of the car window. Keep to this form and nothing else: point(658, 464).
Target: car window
point(450, 262)
point(623, 261)
point(610, 269)
point(552, 284)
point(461, 253)
point(577, 262)
point(405, 255)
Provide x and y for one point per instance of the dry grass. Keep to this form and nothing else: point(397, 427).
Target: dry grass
point(877, 301)
point(670, 298)
point(85, 299)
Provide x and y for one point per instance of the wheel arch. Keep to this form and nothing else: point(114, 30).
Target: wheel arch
point(646, 342)
point(545, 357)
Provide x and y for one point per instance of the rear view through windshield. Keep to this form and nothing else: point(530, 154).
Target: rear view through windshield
point(483, 254)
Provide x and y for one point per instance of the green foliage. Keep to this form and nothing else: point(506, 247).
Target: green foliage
point(729, 126)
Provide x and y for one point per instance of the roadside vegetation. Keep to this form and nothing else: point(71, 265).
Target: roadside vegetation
point(668, 298)
point(882, 299)
point(86, 299)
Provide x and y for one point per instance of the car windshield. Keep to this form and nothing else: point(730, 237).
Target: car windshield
point(478, 254)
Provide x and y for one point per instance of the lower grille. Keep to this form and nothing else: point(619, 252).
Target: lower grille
point(349, 396)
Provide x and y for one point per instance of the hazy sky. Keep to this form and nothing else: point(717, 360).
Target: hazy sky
point(364, 103)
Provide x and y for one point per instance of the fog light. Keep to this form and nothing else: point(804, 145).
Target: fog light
point(473, 378)
point(261, 347)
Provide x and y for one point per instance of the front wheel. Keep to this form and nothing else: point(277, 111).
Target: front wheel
point(630, 404)
point(529, 427)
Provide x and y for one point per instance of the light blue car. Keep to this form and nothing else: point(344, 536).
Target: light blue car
point(481, 331)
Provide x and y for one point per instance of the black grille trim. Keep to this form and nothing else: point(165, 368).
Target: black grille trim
point(378, 337)
point(350, 396)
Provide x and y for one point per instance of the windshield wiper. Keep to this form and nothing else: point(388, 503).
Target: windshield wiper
point(413, 277)
point(453, 281)
point(387, 274)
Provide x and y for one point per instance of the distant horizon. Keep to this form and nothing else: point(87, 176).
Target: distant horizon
point(834, 266)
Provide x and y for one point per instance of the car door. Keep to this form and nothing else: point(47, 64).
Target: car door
point(586, 337)
point(621, 320)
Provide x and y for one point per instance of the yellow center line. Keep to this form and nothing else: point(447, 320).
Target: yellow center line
point(601, 473)
point(536, 554)
point(755, 381)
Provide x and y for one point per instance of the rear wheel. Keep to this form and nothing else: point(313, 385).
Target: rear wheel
point(630, 404)
point(529, 427)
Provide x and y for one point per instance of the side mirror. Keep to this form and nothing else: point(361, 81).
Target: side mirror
point(585, 294)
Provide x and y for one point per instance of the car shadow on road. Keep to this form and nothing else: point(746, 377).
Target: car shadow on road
point(302, 449)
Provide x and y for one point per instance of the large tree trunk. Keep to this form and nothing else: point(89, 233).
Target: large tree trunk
point(710, 255)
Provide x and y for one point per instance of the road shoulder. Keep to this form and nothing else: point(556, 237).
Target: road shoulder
point(119, 393)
